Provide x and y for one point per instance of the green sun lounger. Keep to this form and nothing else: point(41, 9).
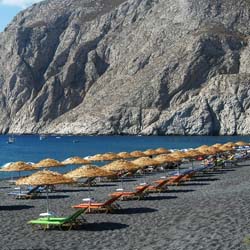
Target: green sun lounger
point(63, 223)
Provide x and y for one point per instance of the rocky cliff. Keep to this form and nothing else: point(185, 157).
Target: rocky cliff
point(127, 67)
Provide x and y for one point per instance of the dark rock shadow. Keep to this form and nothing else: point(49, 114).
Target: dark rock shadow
point(14, 207)
point(4, 187)
point(135, 210)
point(102, 226)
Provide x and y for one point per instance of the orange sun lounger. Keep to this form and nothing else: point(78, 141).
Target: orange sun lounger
point(139, 193)
point(108, 206)
point(162, 185)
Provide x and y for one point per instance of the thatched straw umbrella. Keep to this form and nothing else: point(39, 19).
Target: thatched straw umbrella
point(124, 155)
point(162, 151)
point(217, 145)
point(48, 163)
point(137, 154)
point(97, 157)
point(120, 165)
point(19, 166)
point(104, 157)
point(165, 159)
point(150, 152)
point(111, 156)
point(229, 144)
point(179, 155)
point(241, 143)
point(226, 148)
point(45, 178)
point(75, 161)
point(193, 153)
point(88, 171)
point(203, 147)
point(145, 161)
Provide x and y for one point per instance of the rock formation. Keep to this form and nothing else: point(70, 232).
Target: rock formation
point(127, 67)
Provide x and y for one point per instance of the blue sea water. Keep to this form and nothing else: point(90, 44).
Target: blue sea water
point(32, 149)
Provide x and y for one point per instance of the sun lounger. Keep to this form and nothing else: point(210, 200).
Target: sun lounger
point(63, 223)
point(94, 207)
point(138, 194)
point(87, 183)
point(160, 186)
point(27, 194)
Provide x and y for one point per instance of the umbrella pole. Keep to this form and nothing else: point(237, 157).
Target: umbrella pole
point(47, 198)
point(19, 186)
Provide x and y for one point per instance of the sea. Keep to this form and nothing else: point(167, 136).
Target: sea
point(33, 148)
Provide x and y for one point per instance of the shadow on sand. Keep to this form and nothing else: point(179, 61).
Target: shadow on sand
point(193, 184)
point(72, 190)
point(205, 179)
point(136, 210)
point(158, 198)
point(52, 197)
point(14, 207)
point(102, 226)
point(179, 190)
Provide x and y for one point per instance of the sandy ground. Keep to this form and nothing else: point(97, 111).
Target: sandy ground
point(210, 212)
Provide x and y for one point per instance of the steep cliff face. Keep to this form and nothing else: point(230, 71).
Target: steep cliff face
point(127, 67)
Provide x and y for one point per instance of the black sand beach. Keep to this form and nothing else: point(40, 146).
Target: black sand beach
point(210, 212)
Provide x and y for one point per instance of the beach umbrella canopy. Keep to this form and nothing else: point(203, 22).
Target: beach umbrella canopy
point(48, 163)
point(150, 152)
point(226, 148)
point(137, 154)
point(146, 161)
point(120, 165)
point(75, 161)
point(19, 166)
point(165, 159)
point(110, 156)
point(162, 151)
point(124, 155)
point(88, 171)
point(97, 157)
point(104, 157)
point(45, 178)
point(241, 143)
point(208, 151)
point(178, 155)
point(217, 145)
point(193, 153)
point(202, 147)
point(229, 144)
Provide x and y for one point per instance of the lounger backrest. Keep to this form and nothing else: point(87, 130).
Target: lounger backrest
point(176, 179)
point(162, 183)
point(110, 201)
point(140, 190)
point(75, 215)
point(33, 190)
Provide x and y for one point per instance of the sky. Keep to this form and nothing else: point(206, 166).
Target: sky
point(9, 8)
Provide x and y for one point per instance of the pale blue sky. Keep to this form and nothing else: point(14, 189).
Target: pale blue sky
point(9, 8)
